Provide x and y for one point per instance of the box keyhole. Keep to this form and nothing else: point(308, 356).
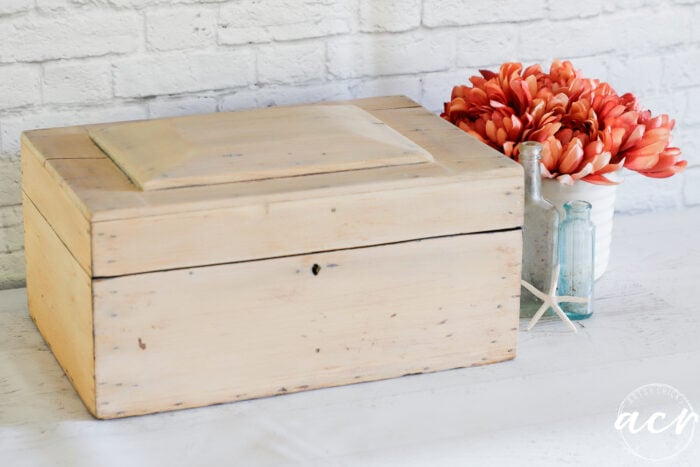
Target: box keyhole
point(315, 269)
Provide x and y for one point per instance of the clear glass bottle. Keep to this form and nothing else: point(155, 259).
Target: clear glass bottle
point(576, 258)
point(540, 229)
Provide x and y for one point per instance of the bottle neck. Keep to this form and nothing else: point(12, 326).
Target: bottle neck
point(533, 178)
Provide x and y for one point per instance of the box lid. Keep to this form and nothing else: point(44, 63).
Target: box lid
point(240, 186)
point(254, 145)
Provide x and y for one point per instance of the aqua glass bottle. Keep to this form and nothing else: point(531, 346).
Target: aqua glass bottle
point(576, 258)
point(540, 229)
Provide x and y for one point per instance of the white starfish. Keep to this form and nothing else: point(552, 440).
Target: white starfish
point(552, 300)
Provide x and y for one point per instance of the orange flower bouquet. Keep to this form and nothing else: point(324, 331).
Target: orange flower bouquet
point(587, 130)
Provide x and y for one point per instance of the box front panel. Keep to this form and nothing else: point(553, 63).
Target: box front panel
point(194, 337)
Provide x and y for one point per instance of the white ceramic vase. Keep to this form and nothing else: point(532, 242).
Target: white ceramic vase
point(602, 199)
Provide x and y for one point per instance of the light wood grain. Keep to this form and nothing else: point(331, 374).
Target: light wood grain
point(378, 103)
point(254, 145)
point(109, 196)
point(195, 337)
point(63, 143)
point(200, 277)
point(469, 188)
point(316, 224)
point(58, 203)
point(59, 294)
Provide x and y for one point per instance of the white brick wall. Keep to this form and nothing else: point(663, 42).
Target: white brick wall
point(20, 85)
point(292, 62)
point(181, 28)
point(418, 51)
point(8, 7)
point(175, 73)
point(248, 21)
point(77, 81)
point(66, 62)
point(389, 15)
point(37, 38)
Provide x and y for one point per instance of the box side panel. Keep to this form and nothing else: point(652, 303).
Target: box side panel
point(59, 292)
point(243, 233)
point(57, 204)
point(194, 337)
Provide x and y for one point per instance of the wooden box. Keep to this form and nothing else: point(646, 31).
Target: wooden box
point(196, 260)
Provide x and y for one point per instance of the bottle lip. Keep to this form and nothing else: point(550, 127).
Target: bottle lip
point(531, 144)
point(530, 150)
point(577, 205)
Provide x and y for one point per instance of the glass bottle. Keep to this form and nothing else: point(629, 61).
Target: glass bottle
point(540, 230)
point(576, 258)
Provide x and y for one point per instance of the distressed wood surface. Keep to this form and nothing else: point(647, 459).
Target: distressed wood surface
point(475, 188)
point(58, 203)
point(59, 294)
point(255, 144)
point(555, 404)
point(295, 227)
point(260, 328)
point(108, 195)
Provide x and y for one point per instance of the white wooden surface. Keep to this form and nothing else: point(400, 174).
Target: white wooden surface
point(555, 404)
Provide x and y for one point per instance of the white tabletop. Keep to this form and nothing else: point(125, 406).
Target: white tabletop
point(555, 404)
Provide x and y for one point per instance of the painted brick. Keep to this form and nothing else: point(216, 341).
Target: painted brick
point(484, 45)
point(618, 5)
point(180, 28)
point(269, 96)
point(9, 182)
point(695, 20)
point(12, 126)
point(54, 6)
point(19, 85)
point(641, 32)
point(77, 81)
point(11, 231)
point(438, 13)
point(8, 7)
point(567, 39)
point(389, 15)
point(247, 21)
point(12, 270)
point(596, 67)
point(688, 139)
point(37, 38)
point(691, 189)
point(682, 68)
point(138, 4)
point(292, 63)
point(370, 55)
point(558, 9)
point(667, 102)
point(10, 216)
point(173, 107)
point(172, 74)
point(636, 75)
point(240, 100)
point(292, 95)
point(692, 112)
point(410, 86)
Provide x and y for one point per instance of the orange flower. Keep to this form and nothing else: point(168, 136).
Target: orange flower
point(586, 129)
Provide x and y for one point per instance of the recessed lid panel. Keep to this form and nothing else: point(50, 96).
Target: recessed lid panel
point(252, 145)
